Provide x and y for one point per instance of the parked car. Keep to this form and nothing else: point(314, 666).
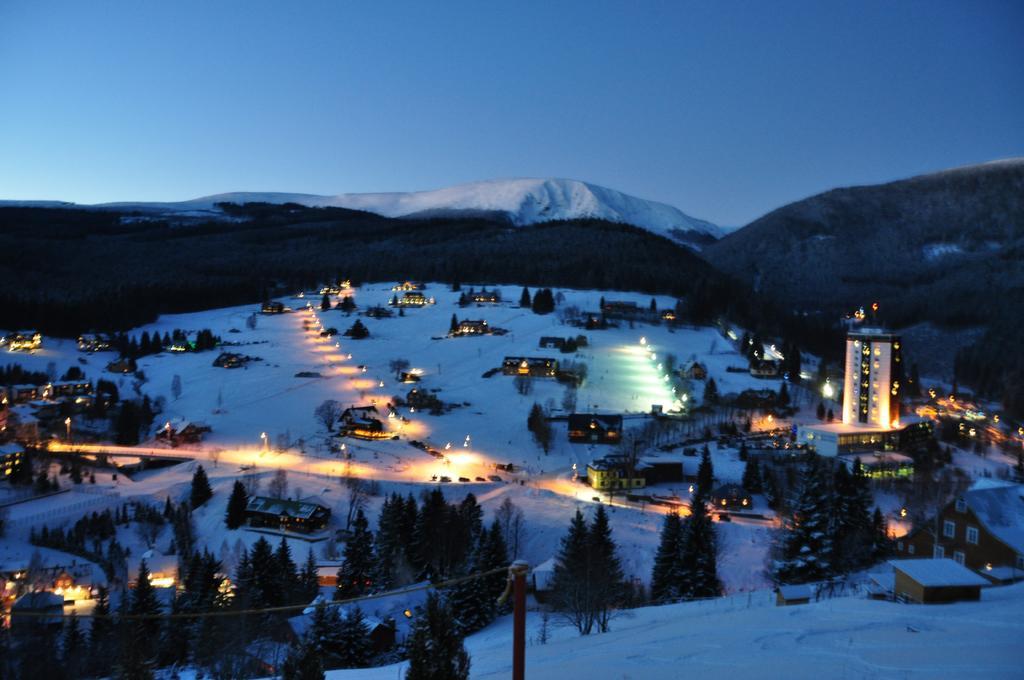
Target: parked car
point(495, 478)
point(480, 479)
point(463, 479)
point(446, 479)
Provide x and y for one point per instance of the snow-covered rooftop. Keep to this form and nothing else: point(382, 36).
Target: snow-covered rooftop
point(939, 572)
point(1001, 510)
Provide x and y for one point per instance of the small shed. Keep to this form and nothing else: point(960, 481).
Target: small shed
point(793, 594)
point(934, 581)
point(731, 497)
point(36, 612)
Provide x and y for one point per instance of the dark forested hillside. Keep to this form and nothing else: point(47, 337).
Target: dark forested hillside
point(72, 270)
point(946, 248)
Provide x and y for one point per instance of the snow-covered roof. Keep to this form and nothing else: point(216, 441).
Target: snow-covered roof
point(939, 572)
point(1001, 510)
point(802, 591)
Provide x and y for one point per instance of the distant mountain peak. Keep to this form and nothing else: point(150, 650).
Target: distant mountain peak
point(523, 201)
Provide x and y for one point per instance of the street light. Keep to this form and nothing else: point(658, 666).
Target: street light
point(67, 424)
point(827, 390)
point(266, 442)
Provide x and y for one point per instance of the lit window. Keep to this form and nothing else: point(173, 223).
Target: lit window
point(878, 352)
point(949, 529)
point(972, 535)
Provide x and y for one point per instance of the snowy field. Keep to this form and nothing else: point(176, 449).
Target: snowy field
point(488, 426)
point(747, 636)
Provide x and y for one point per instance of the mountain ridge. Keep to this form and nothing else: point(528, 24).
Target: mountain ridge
point(523, 201)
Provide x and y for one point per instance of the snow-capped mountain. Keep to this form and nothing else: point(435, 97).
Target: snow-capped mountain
point(522, 201)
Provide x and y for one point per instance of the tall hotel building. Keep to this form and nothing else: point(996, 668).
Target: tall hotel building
point(871, 390)
point(871, 420)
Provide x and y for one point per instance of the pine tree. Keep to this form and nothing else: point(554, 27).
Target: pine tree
point(309, 579)
point(752, 477)
point(325, 303)
point(145, 632)
point(821, 411)
point(806, 552)
point(881, 544)
point(201, 491)
point(711, 392)
point(324, 631)
point(667, 576)
point(700, 553)
point(73, 647)
point(571, 587)
point(101, 633)
point(355, 577)
point(783, 395)
point(606, 573)
point(237, 503)
point(354, 643)
point(304, 662)
point(705, 473)
point(435, 648)
point(453, 327)
point(286, 573)
point(471, 606)
point(524, 299)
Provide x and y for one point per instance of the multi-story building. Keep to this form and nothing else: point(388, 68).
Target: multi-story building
point(983, 529)
point(871, 389)
point(871, 402)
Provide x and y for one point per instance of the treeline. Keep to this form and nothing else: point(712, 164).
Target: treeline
point(146, 344)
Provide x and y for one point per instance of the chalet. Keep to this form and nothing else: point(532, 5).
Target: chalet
point(935, 581)
point(353, 413)
point(181, 431)
point(413, 376)
point(472, 327)
point(19, 394)
point(378, 312)
point(548, 342)
point(409, 286)
point(411, 299)
point(668, 315)
point(694, 371)
point(364, 428)
point(982, 529)
point(423, 400)
point(788, 595)
point(286, 515)
point(618, 309)
point(272, 307)
point(68, 388)
point(595, 428)
point(22, 341)
point(611, 474)
point(122, 365)
point(10, 456)
point(486, 296)
point(534, 367)
point(731, 497)
point(230, 360)
point(661, 472)
point(93, 343)
point(765, 368)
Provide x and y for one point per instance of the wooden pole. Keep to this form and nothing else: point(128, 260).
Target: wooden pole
point(518, 572)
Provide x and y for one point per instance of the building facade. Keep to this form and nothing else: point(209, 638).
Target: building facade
point(871, 388)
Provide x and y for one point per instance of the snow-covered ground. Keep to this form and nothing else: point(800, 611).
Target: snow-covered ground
point(747, 636)
point(266, 396)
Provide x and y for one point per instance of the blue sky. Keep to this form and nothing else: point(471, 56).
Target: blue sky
point(724, 109)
